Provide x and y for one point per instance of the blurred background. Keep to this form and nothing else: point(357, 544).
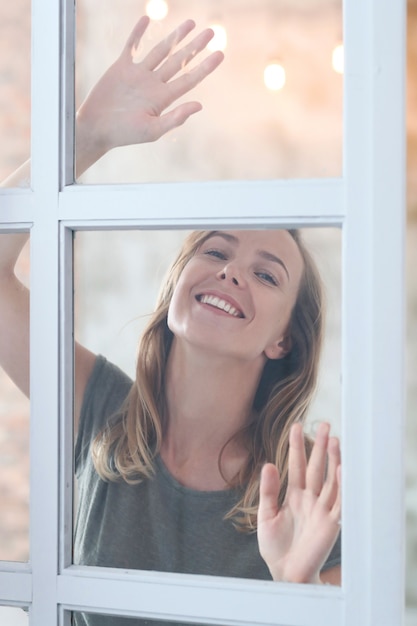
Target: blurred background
point(273, 110)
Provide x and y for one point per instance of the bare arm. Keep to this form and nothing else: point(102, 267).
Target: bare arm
point(14, 325)
point(128, 105)
point(332, 576)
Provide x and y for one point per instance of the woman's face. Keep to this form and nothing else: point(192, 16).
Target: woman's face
point(236, 294)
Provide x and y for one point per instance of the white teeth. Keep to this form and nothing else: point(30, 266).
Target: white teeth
point(220, 304)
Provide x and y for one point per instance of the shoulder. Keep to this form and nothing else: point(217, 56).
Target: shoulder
point(106, 391)
point(106, 388)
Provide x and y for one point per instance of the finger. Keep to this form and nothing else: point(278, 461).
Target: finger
point(330, 487)
point(180, 59)
point(336, 510)
point(174, 118)
point(188, 81)
point(268, 493)
point(135, 36)
point(163, 49)
point(297, 458)
point(317, 462)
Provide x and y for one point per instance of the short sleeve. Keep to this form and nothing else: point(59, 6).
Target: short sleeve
point(106, 390)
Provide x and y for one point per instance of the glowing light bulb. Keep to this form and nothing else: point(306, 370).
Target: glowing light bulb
point(219, 41)
point(156, 9)
point(338, 59)
point(274, 76)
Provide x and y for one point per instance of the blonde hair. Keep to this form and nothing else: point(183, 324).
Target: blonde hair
point(126, 447)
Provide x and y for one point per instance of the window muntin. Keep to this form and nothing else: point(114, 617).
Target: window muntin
point(194, 599)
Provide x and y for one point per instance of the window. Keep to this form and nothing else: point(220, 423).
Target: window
point(364, 203)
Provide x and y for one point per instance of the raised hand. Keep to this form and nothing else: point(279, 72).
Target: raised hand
point(128, 104)
point(296, 539)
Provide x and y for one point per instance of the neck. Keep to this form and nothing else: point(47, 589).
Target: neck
point(209, 399)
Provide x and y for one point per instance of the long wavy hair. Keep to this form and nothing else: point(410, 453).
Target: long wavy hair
point(127, 446)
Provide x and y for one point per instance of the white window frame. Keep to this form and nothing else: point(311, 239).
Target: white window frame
point(368, 203)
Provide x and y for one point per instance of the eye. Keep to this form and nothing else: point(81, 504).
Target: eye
point(267, 277)
point(215, 252)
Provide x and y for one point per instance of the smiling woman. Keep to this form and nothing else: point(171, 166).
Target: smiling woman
point(241, 269)
point(213, 399)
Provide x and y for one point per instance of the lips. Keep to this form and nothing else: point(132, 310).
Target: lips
point(220, 303)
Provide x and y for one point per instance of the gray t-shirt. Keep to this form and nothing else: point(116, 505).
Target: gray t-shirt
point(157, 524)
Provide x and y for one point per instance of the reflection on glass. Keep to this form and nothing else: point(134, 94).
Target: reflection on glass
point(14, 423)
point(247, 129)
point(12, 616)
point(98, 619)
point(175, 480)
point(15, 89)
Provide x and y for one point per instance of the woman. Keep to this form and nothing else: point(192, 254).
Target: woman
point(179, 469)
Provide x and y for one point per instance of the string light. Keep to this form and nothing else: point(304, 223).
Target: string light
point(219, 41)
point(338, 59)
point(156, 9)
point(274, 76)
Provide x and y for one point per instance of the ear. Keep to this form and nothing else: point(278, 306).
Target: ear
point(278, 349)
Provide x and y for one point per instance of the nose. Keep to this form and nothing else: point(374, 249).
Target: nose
point(230, 273)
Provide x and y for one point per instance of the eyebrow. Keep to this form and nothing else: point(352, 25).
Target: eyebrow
point(268, 256)
point(275, 259)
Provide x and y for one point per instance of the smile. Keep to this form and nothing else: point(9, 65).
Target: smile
point(221, 304)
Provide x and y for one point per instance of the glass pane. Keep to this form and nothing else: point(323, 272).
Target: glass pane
point(12, 616)
point(246, 129)
point(98, 619)
point(14, 440)
point(15, 90)
point(219, 327)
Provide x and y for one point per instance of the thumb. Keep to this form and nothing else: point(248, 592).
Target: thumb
point(268, 493)
point(162, 124)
